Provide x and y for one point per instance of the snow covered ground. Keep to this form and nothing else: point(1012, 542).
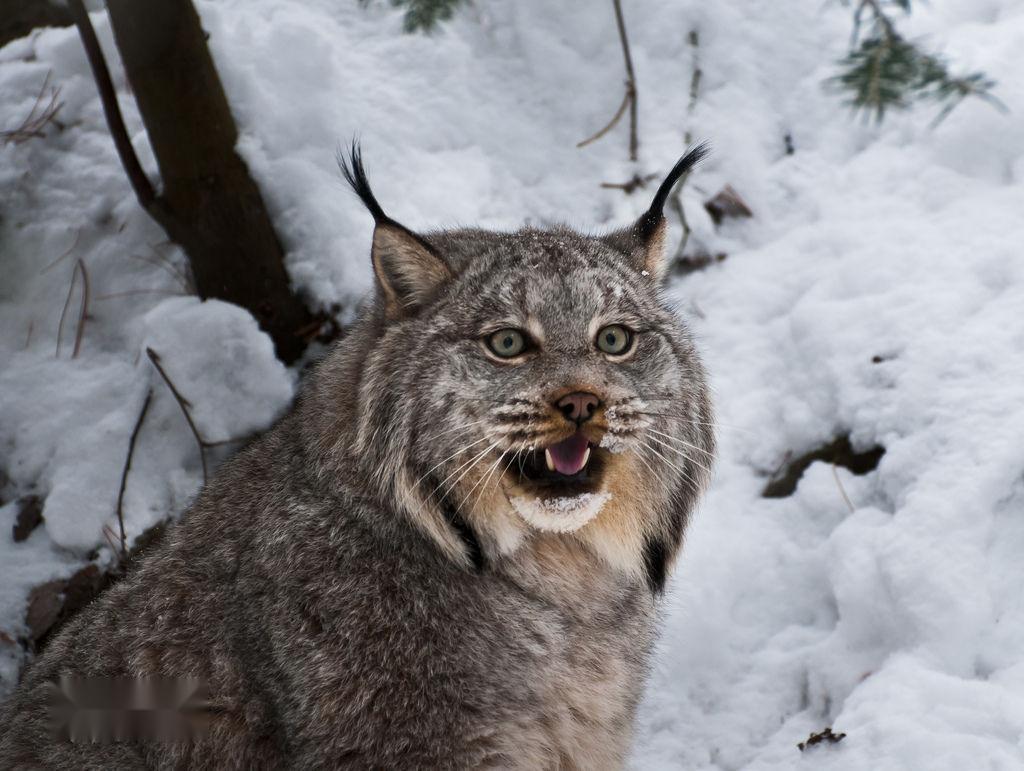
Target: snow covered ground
point(878, 292)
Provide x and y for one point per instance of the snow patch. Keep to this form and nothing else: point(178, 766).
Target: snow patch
point(217, 356)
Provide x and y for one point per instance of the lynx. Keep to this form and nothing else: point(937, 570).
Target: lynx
point(450, 553)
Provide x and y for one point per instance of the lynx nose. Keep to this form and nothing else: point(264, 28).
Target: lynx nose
point(578, 407)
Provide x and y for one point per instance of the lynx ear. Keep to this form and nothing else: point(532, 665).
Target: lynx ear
point(408, 269)
point(643, 242)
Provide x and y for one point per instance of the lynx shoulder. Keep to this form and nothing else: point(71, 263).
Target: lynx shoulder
point(449, 553)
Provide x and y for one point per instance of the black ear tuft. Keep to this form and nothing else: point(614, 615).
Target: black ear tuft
point(408, 268)
point(651, 219)
point(355, 175)
point(643, 242)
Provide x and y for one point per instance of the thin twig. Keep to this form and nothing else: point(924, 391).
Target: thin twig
point(34, 124)
point(84, 310)
point(676, 200)
point(164, 262)
point(695, 76)
point(630, 98)
point(108, 536)
point(184, 404)
point(28, 335)
point(231, 440)
point(842, 490)
point(880, 18)
point(140, 183)
point(130, 292)
point(608, 126)
point(64, 311)
point(630, 185)
point(630, 81)
point(124, 473)
point(67, 252)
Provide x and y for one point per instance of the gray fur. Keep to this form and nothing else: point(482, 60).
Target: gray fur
point(348, 611)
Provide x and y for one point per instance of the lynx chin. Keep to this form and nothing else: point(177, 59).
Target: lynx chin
point(450, 553)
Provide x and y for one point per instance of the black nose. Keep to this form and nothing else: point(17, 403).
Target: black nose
point(578, 407)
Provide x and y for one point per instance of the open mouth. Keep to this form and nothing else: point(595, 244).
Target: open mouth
point(570, 467)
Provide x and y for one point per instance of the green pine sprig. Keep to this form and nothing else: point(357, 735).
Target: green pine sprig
point(424, 15)
point(884, 71)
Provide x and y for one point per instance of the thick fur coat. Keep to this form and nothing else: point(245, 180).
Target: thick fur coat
point(390, 577)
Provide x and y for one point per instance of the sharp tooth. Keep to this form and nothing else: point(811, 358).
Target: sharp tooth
point(586, 457)
point(549, 460)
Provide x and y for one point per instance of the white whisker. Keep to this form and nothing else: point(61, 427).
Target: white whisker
point(688, 457)
point(648, 465)
point(470, 463)
point(457, 452)
point(671, 463)
point(682, 442)
point(456, 428)
point(484, 479)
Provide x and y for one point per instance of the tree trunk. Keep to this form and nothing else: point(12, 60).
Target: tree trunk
point(19, 17)
point(209, 204)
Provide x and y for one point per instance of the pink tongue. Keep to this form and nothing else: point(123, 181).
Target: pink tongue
point(568, 455)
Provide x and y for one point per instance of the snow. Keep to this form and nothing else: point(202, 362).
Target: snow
point(560, 515)
point(218, 350)
point(900, 622)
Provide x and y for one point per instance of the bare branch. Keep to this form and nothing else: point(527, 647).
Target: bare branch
point(630, 98)
point(630, 80)
point(132, 292)
point(108, 536)
point(140, 183)
point(166, 264)
point(676, 199)
point(184, 404)
point(67, 252)
point(676, 202)
point(608, 126)
point(35, 121)
point(634, 182)
point(124, 473)
point(83, 310)
point(842, 490)
point(231, 440)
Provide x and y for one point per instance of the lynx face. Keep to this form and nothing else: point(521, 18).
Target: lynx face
point(534, 381)
point(560, 380)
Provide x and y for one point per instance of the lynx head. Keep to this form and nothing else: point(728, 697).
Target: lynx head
point(511, 383)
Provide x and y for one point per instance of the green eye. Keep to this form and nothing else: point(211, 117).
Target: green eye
point(507, 343)
point(614, 339)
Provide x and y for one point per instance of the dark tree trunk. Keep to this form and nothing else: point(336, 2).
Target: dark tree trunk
point(209, 203)
point(19, 17)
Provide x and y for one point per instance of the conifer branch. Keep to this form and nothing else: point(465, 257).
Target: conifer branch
point(884, 71)
point(423, 15)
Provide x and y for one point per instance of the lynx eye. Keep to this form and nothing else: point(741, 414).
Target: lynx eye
point(614, 339)
point(507, 343)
